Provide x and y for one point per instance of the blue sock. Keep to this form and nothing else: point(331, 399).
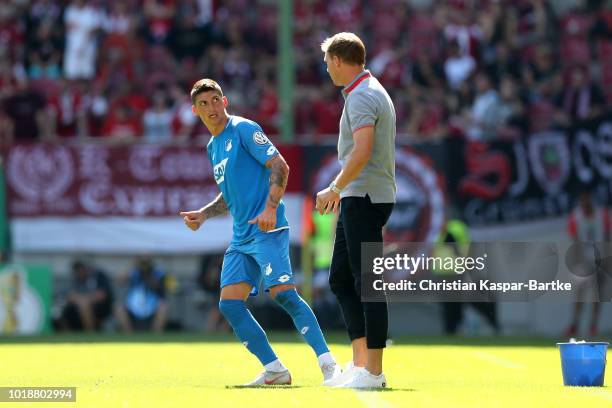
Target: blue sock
point(248, 331)
point(303, 318)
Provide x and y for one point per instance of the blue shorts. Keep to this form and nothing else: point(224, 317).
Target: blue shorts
point(265, 258)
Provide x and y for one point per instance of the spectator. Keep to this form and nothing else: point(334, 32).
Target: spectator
point(464, 32)
point(504, 62)
point(6, 130)
point(159, 15)
point(326, 110)
point(486, 110)
point(157, 120)
point(427, 72)
point(541, 69)
point(587, 225)
point(44, 55)
point(119, 20)
point(122, 125)
point(145, 306)
point(26, 111)
point(41, 10)
point(458, 67)
point(184, 122)
point(95, 109)
point(581, 99)
point(89, 301)
point(65, 111)
point(428, 115)
point(145, 42)
point(82, 24)
point(187, 39)
point(513, 122)
point(11, 31)
point(208, 282)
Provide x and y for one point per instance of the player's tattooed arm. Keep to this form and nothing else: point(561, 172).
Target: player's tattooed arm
point(215, 208)
point(279, 174)
point(194, 219)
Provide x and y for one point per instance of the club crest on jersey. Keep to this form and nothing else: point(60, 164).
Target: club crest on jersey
point(228, 145)
point(260, 138)
point(219, 171)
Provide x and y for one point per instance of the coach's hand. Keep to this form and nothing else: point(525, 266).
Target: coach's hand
point(193, 219)
point(327, 201)
point(266, 221)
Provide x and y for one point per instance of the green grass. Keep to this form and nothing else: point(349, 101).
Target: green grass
point(199, 371)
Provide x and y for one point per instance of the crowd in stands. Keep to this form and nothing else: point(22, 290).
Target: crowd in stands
point(89, 301)
point(121, 70)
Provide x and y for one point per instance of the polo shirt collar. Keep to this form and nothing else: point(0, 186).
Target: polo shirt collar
point(356, 81)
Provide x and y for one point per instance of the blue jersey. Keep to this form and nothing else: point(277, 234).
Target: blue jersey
point(238, 156)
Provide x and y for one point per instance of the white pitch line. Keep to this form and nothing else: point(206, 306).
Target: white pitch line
point(604, 394)
point(371, 399)
point(492, 358)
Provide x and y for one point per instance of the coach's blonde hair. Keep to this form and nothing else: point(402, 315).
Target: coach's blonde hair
point(346, 46)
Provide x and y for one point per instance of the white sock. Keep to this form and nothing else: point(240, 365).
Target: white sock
point(326, 358)
point(275, 366)
point(373, 375)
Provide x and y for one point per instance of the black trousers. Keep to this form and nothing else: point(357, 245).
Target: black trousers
point(359, 221)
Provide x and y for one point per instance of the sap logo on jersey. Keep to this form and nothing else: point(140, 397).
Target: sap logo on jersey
point(271, 150)
point(219, 171)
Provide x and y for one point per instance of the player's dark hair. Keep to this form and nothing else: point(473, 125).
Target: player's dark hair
point(346, 46)
point(204, 85)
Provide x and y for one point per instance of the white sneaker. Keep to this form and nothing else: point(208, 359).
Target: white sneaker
point(363, 379)
point(271, 378)
point(330, 372)
point(344, 375)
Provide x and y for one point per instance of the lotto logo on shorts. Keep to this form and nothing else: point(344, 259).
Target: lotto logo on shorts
point(283, 278)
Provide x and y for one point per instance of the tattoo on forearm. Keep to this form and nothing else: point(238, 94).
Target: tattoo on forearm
point(216, 207)
point(278, 182)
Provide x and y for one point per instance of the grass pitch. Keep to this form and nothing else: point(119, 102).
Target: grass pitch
point(202, 371)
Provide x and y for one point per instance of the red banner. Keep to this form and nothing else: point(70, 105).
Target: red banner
point(94, 180)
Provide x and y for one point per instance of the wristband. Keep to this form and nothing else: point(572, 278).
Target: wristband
point(333, 187)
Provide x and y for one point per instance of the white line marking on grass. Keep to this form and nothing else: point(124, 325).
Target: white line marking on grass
point(371, 399)
point(604, 394)
point(492, 358)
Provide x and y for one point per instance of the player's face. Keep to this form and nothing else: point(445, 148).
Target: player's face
point(210, 107)
point(332, 68)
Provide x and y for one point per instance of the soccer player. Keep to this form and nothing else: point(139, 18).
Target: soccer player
point(364, 191)
point(252, 176)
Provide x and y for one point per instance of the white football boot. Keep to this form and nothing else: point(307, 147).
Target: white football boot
point(344, 376)
point(363, 379)
point(271, 378)
point(330, 372)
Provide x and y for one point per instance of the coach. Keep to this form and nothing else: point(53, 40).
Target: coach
point(364, 192)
